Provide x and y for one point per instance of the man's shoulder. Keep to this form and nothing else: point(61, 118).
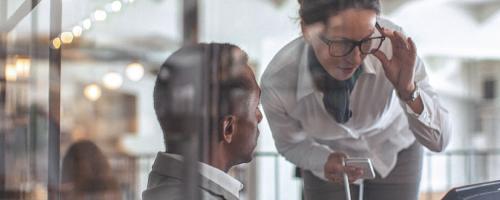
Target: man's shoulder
point(172, 189)
point(165, 187)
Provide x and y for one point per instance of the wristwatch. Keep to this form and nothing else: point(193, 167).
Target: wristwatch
point(413, 95)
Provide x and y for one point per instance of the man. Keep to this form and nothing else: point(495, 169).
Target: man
point(230, 140)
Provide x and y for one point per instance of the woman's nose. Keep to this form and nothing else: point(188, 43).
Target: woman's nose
point(355, 57)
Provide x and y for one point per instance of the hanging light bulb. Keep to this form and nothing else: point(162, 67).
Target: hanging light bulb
point(100, 15)
point(134, 71)
point(112, 80)
point(116, 6)
point(56, 43)
point(92, 92)
point(87, 24)
point(77, 31)
point(66, 37)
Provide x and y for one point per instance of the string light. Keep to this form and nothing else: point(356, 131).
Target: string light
point(116, 6)
point(66, 37)
point(100, 15)
point(56, 43)
point(87, 24)
point(97, 15)
point(77, 31)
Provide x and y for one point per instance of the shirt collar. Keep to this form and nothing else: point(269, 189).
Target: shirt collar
point(305, 84)
point(216, 175)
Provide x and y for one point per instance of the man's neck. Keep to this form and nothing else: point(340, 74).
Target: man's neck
point(219, 159)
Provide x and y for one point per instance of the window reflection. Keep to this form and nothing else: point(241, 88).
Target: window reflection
point(112, 49)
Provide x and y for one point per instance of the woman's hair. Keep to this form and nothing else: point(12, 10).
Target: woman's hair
point(312, 11)
point(87, 170)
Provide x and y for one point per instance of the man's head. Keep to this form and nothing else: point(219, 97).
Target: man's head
point(330, 26)
point(218, 74)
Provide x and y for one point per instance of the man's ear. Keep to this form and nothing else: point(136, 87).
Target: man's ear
point(228, 128)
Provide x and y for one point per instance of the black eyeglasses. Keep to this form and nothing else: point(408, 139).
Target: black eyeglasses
point(343, 47)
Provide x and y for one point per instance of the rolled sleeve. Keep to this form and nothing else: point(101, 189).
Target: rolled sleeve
point(432, 127)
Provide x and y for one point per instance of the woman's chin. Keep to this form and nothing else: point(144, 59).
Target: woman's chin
point(342, 76)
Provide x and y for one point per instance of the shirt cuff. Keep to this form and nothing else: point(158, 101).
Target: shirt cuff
point(322, 156)
point(423, 117)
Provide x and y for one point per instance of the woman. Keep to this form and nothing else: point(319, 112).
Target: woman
point(86, 174)
point(352, 86)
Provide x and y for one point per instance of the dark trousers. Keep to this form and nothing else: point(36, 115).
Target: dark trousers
point(401, 184)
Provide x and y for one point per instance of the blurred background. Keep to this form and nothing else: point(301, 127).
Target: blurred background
point(76, 70)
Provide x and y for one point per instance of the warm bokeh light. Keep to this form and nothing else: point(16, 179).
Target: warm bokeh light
point(87, 24)
point(116, 6)
point(66, 37)
point(100, 15)
point(23, 64)
point(135, 71)
point(92, 92)
point(56, 43)
point(112, 80)
point(10, 72)
point(77, 31)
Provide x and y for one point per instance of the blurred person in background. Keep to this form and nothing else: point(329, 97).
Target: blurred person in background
point(236, 117)
point(86, 174)
point(353, 86)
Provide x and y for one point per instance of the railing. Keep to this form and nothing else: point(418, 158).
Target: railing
point(441, 172)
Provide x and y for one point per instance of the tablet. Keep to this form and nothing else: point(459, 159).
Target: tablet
point(365, 164)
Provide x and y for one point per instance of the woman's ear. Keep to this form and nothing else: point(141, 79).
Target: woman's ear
point(303, 28)
point(228, 128)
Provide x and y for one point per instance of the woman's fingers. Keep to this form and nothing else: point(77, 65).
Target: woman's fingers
point(400, 41)
point(413, 47)
point(382, 58)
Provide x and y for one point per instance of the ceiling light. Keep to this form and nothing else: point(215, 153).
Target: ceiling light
point(112, 80)
point(92, 92)
point(135, 71)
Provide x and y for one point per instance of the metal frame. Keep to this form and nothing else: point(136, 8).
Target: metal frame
point(3, 82)
point(192, 149)
point(7, 24)
point(54, 102)
point(23, 10)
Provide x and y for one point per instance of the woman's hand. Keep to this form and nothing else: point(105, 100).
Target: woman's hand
point(400, 69)
point(334, 169)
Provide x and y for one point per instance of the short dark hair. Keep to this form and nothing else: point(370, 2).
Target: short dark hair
point(312, 11)
point(182, 83)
